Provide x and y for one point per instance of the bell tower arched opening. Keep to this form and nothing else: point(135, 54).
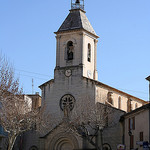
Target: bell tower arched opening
point(89, 53)
point(70, 49)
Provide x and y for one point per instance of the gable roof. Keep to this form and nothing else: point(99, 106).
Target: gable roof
point(44, 84)
point(76, 20)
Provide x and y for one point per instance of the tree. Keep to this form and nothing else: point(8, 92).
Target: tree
point(16, 115)
point(88, 120)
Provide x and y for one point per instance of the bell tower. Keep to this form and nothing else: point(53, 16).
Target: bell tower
point(76, 44)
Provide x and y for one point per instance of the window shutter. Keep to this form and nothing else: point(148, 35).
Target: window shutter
point(141, 136)
point(129, 123)
point(131, 142)
point(133, 127)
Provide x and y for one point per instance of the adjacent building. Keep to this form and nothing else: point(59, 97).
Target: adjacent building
point(36, 100)
point(137, 127)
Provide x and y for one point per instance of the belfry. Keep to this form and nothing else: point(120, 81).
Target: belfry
point(77, 44)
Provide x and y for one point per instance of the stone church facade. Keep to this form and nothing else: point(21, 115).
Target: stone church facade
point(76, 80)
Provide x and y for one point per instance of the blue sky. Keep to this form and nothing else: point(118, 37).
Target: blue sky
point(123, 58)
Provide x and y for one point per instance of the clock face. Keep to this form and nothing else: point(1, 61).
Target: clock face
point(68, 72)
point(89, 74)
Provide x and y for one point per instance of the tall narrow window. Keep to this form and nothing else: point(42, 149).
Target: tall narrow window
point(136, 106)
point(129, 106)
point(70, 50)
point(109, 97)
point(141, 136)
point(131, 123)
point(89, 53)
point(119, 102)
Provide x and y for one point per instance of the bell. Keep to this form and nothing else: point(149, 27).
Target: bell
point(77, 1)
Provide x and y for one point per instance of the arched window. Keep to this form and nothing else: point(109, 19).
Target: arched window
point(89, 53)
point(119, 102)
point(109, 97)
point(70, 50)
point(129, 105)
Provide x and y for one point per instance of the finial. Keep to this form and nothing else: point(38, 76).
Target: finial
point(77, 4)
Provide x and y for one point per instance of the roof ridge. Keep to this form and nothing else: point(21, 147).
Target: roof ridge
point(81, 20)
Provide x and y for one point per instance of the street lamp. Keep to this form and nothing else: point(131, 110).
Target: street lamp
point(148, 79)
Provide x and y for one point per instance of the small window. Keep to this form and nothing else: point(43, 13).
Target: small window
point(119, 102)
point(70, 49)
point(89, 53)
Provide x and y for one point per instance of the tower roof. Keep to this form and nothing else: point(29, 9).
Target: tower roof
point(76, 20)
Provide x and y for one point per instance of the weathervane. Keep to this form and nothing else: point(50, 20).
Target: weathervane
point(77, 4)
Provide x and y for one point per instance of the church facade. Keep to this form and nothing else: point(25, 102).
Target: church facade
point(75, 81)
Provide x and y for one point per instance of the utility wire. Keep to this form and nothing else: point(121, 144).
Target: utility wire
point(32, 76)
point(33, 72)
point(51, 76)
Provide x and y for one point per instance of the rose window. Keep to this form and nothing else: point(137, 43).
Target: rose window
point(67, 101)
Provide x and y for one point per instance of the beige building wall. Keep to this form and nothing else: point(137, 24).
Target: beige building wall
point(102, 96)
point(62, 40)
point(36, 100)
point(141, 125)
point(80, 43)
point(54, 90)
point(89, 67)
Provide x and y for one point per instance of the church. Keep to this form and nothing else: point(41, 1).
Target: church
point(76, 84)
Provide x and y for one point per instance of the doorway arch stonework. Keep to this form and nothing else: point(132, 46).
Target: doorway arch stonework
point(63, 141)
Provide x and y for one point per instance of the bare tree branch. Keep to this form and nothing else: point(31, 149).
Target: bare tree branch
point(16, 114)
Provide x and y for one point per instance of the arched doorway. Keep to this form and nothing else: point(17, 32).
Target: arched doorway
point(63, 144)
point(64, 141)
